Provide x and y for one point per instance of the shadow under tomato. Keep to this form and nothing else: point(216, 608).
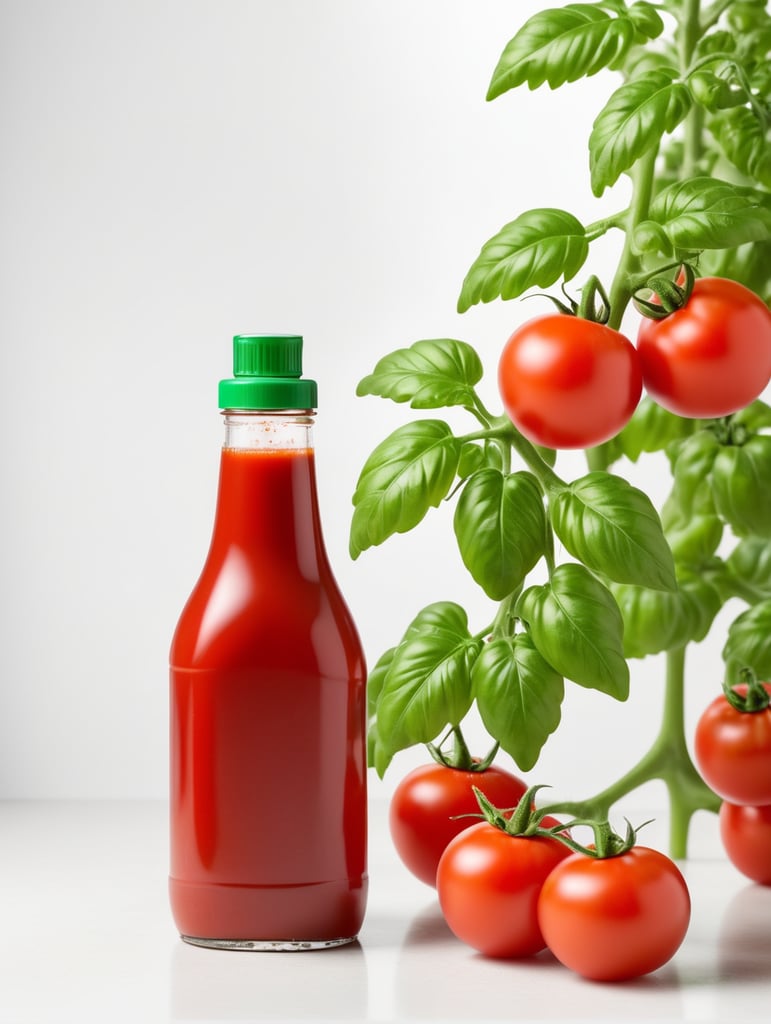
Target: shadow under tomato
point(440, 977)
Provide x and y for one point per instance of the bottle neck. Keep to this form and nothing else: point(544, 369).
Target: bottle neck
point(267, 503)
point(281, 430)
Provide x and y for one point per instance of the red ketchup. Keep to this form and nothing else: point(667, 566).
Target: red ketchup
point(268, 766)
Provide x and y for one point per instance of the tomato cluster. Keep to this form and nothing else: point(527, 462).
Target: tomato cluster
point(569, 382)
point(732, 747)
point(607, 915)
point(508, 887)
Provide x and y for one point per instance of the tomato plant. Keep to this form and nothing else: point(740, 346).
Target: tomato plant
point(430, 805)
point(490, 876)
point(746, 835)
point(567, 382)
point(712, 356)
point(732, 744)
point(616, 915)
point(585, 572)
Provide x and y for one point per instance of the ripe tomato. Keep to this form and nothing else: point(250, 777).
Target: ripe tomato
point(567, 382)
point(488, 883)
point(733, 750)
point(711, 357)
point(615, 917)
point(427, 799)
point(746, 835)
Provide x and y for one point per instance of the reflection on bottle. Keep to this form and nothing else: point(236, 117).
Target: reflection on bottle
point(330, 984)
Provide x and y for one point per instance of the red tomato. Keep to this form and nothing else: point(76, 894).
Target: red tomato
point(712, 356)
point(567, 382)
point(425, 802)
point(488, 883)
point(733, 751)
point(746, 835)
point(615, 917)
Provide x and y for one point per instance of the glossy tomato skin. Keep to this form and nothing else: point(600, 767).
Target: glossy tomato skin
point(488, 883)
point(712, 356)
point(615, 918)
point(426, 801)
point(733, 751)
point(746, 835)
point(567, 382)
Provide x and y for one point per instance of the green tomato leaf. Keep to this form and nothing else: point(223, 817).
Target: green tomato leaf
point(634, 119)
point(749, 643)
point(570, 42)
point(576, 625)
point(378, 756)
point(749, 264)
point(750, 565)
point(500, 525)
point(536, 249)
point(651, 429)
point(744, 141)
point(429, 374)
point(408, 473)
point(704, 213)
point(613, 528)
point(741, 486)
point(658, 620)
point(428, 683)
point(519, 696)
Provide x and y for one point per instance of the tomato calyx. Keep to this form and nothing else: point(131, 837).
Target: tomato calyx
point(607, 842)
point(750, 700)
point(669, 295)
point(524, 820)
point(459, 757)
point(594, 304)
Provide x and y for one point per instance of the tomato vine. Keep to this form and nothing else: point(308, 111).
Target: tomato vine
point(688, 125)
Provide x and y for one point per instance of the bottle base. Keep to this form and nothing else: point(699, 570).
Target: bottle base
point(267, 945)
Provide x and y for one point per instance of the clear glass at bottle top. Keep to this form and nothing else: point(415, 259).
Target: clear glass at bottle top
point(267, 680)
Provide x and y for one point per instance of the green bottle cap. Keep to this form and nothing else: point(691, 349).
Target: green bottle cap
point(267, 374)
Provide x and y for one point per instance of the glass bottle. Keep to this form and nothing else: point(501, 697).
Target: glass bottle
point(267, 680)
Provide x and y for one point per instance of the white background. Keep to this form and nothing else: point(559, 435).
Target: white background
point(174, 173)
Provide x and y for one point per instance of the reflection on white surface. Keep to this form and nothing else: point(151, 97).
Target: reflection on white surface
point(87, 937)
point(270, 986)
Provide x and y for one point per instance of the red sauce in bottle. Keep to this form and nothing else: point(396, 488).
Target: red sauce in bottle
point(268, 772)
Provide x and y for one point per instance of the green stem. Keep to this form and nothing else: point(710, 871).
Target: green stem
point(689, 34)
point(668, 760)
point(621, 291)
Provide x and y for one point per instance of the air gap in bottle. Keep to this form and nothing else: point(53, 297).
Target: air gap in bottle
point(267, 679)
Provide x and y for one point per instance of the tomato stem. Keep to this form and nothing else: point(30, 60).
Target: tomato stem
point(668, 760)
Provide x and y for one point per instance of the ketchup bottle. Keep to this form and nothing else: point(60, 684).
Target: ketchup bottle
point(267, 679)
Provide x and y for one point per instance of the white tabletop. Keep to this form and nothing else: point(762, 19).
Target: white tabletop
point(87, 936)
